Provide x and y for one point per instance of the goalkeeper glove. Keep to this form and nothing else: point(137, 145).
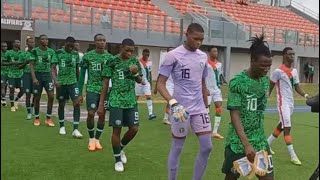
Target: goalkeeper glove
point(261, 163)
point(244, 167)
point(178, 112)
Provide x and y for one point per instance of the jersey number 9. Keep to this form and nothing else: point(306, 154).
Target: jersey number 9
point(120, 74)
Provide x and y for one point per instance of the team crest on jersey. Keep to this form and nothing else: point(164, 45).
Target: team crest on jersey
point(118, 122)
point(61, 97)
point(27, 90)
point(93, 105)
point(201, 64)
point(35, 91)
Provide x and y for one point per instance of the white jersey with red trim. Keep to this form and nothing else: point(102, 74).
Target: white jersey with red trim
point(212, 81)
point(285, 82)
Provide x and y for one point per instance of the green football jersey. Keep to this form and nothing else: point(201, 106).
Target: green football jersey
point(122, 94)
point(93, 62)
point(13, 70)
point(249, 96)
point(4, 69)
point(25, 56)
point(67, 64)
point(42, 59)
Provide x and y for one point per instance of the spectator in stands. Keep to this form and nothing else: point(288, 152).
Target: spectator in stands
point(311, 72)
point(306, 72)
point(104, 20)
point(242, 2)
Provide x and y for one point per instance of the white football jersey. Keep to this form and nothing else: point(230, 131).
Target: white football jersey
point(285, 80)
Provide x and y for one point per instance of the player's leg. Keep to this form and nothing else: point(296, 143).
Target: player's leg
point(274, 135)
point(100, 128)
point(179, 132)
point(11, 93)
point(61, 97)
point(37, 91)
point(28, 90)
point(18, 85)
point(147, 93)
point(227, 167)
point(131, 120)
point(116, 122)
point(48, 86)
point(4, 80)
point(92, 104)
point(201, 125)
point(73, 93)
point(217, 98)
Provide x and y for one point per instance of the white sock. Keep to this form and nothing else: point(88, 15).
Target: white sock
point(149, 104)
point(291, 151)
point(216, 124)
point(271, 138)
point(166, 116)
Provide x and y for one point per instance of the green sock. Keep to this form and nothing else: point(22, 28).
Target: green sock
point(100, 127)
point(90, 126)
point(124, 142)
point(116, 153)
point(61, 122)
point(76, 117)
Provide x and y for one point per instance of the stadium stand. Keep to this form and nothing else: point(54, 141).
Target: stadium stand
point(275, 22)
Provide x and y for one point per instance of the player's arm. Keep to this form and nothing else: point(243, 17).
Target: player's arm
point(236, 123)
point(155, 91)
point(77, 67)
point(106, 74)
point(271, 86)
point(161, 87)
point(234, 106)
point(205, 92)
point(83, 69)
point(150, 75)
point(296, 83)
point(54, 62)
point(138, 76)
point(300, 91)
point(7, 60)
point(275, 76)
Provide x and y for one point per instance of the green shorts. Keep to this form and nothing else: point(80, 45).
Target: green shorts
point(15, 82)
point(4, 79)
point(64, 92)
point(45, 81)
point(124, 117)
point(230, 157)
point(92, 101)
point(27, 83)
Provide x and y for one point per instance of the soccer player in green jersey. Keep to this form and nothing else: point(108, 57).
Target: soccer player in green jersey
point(124, 70)
point(4, 74)
point(247, 100)
point(26, 78)
point(92, 62)
point(40, 67)
point(14, 73)
point(66, 82)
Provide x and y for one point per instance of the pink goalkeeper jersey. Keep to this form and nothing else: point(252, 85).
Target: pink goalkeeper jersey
point(187, 70)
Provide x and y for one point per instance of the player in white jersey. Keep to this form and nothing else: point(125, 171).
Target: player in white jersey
point(169, 86)
point(144, 89)
point(213, 84)
point(286, 80)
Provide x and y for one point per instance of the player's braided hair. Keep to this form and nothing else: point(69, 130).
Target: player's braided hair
point(259, 47)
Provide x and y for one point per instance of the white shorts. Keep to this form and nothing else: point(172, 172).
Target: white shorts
point(143, 90)
point(285, 112)
point(215, 96)
point(170, 89)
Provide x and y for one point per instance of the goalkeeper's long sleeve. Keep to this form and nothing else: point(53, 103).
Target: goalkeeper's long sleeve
point(81, 79)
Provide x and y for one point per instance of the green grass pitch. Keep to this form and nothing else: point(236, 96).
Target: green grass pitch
point(40, 153)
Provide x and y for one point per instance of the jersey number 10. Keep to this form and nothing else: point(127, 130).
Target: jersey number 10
point(252, 104)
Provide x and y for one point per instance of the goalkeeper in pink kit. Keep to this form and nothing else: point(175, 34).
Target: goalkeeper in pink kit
point(188, 67)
